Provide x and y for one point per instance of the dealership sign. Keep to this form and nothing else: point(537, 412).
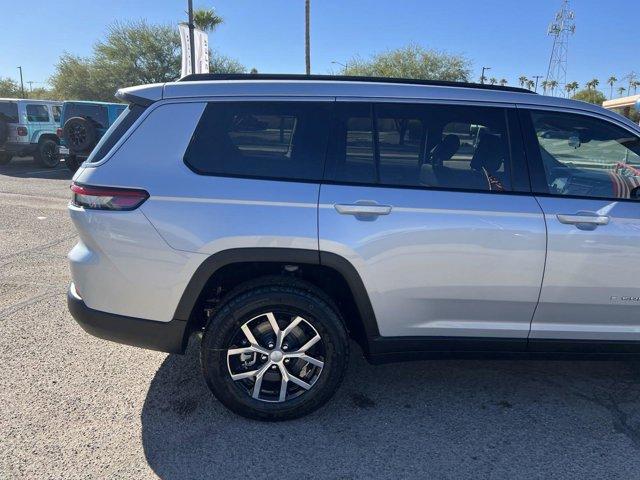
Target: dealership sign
point(201, 50)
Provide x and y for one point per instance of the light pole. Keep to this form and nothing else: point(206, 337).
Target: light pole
point(482, 76)
point(338, 63)
point(21, 83)
point(537, 77)
point(307, 36)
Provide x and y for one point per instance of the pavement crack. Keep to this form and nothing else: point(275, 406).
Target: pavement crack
point(28, 302)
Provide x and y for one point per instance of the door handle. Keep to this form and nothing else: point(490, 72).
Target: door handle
point(583, 219)
point(359, 209)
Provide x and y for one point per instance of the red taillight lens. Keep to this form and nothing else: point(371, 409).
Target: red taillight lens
point(59, 133)
point(22, 131)
point(107, 198)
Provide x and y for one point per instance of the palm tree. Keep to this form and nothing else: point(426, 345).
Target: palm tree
point(591, 86)
point(307, 37)
point(621, 90)
point(611, 81)
point(493, 80)
point(552, 85)
point(635, 85)
point(572, 87)
point(544, 84)
point(206, 19)
point(523, 81)
point(503, 82)
point(530, 84)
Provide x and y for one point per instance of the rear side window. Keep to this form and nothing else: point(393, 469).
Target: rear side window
point(55, 110)
point(115, 132)
point(279, 140)
point(97, 113)
point(37, 113)
point(439, 146)
point(9, 112)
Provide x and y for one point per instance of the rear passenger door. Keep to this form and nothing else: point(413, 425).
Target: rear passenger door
point(586, 173)
point(431, 205)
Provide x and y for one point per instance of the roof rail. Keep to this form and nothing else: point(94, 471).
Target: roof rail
point(194, 77)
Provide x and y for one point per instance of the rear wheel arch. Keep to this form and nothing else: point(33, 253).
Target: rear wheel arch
point(330, 273)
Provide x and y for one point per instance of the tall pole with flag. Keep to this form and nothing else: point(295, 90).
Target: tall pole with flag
point(192, 43)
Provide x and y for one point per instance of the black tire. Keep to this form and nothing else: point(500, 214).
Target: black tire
point(79, 134)
point(47, 153)
point(72, 163)
point(288, 298)
point(5, 158)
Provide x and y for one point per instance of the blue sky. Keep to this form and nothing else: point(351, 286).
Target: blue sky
point(508, 35)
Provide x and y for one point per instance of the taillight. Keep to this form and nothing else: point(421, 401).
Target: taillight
point(107, 198)
point(22, 131)
point(59, 133)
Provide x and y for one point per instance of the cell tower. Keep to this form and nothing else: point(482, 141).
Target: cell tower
point(563, 26)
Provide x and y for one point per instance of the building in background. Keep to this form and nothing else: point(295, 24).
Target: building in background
point(627, 106)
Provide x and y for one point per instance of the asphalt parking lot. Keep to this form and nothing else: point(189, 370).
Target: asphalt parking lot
point(73, 406)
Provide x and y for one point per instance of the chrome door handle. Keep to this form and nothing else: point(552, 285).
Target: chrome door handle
point(362, 209)
point(583, 219)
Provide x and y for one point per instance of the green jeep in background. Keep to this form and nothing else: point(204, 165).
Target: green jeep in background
point(28, 127)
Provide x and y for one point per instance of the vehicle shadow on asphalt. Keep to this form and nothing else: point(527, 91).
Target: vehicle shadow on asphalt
point(475, 417)
point(27, 167)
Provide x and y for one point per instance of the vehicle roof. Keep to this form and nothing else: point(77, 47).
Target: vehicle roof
point(31, 100)
point(345, 88)
point(91, 102)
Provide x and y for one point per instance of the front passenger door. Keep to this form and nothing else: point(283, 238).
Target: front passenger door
point(586, 171)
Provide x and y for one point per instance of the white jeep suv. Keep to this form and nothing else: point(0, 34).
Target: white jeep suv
point(281, 215)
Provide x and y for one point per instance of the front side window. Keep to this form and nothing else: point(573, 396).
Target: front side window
point(37, 113)
point(282, 140)
point(586, 156)
point(438, 146)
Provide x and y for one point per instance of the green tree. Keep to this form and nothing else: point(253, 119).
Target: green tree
point(523, 81)
point(545, 85)
point(530, 84)
point(590, 95)
point(553, 84)
point(503, 82)
point(9, 88)
point(571, 87)
point(132, 53)
point(611, 81)
point(412, 61)
point(206, 19)
point(621, 91)
point(493, 81)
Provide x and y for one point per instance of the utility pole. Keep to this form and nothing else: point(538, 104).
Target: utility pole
point(482, 76)
point(21, 83)
point(192, 46)
point(307, 37)
point(537, 77)
point(30, 82)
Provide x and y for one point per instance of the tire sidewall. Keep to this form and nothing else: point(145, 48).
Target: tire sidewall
point(228, 320)
point(42, 155)
point(90, 134)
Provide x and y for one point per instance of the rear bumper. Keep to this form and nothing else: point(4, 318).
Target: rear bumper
point(19, 149)
point(169, 337)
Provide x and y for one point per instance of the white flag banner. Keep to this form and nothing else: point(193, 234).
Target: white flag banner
point(201, 50)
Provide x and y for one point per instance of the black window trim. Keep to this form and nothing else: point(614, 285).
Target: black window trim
point(515, 141)
point(539, 186)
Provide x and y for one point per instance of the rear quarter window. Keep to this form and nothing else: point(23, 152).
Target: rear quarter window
point(115, 132)
point(97, 113)
point(275, 140)
point(9, 112)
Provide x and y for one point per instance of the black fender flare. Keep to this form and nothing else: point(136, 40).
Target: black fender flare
point(223, 258)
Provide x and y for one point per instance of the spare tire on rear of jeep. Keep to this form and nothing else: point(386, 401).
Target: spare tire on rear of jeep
point(79, 134)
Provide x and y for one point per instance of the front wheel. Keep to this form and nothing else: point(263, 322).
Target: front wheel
point(47, 153)
point(275, 352)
